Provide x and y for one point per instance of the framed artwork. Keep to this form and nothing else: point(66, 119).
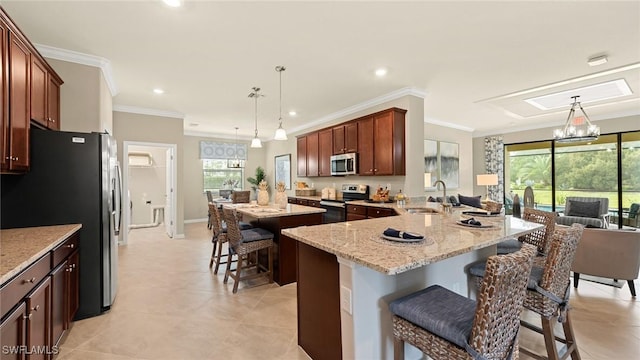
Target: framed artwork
point(283, 170)
point(441, 162)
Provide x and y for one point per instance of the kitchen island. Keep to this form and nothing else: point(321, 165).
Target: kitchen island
point(275, 219)
point(348, 274)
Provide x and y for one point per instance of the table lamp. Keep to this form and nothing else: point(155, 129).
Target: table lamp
point(486, 180)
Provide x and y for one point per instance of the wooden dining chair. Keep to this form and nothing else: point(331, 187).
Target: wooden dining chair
point(219, 237)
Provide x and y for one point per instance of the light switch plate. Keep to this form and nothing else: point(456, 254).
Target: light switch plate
point(345, 300)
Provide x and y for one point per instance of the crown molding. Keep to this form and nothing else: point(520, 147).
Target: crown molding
point(205, 134)
point(83, 59)
point(362, 106)
point(447, 124)
point(148, 111)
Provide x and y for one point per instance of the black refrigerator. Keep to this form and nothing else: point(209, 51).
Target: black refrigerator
point(73, 178)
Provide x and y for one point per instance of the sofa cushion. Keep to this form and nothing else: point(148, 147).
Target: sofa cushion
point(470, 200)
point(584, 208)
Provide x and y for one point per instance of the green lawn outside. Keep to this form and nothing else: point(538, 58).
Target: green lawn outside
point(543, 197)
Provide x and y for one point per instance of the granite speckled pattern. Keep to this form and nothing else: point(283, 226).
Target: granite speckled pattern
point(21, 247)
point(263, 212)
point(360, 241)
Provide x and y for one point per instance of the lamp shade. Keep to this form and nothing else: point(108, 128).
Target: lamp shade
point(487, 179)
point(281, 134)
point(427, 180)
point(256, 143)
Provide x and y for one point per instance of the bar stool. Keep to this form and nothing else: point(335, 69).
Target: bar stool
point(548, 292)
point(539, 238)
point(243, 243)
point(219, 228)
point(445, 325)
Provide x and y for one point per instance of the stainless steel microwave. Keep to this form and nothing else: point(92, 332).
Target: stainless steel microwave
point(344, 164)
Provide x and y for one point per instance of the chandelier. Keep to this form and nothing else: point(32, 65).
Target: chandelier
point(577, 128)
point(255, 142)
point(235, 163)
point(281, 134)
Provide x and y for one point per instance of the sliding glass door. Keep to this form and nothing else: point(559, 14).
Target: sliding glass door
point(630, 179)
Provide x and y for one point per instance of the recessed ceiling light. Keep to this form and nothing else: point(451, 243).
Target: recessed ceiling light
point(158, 91)
point(292, 113)
point(597, 60)
point(381, 72)
point(173, 3)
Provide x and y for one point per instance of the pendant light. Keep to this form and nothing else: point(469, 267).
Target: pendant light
point(281, 134)
point(256, 143)
point(577, 129)
point(235, 163)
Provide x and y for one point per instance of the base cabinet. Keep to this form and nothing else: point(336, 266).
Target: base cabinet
point(13, 332)
point(359, 212)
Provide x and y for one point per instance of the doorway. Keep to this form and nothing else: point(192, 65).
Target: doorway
point(149, 178)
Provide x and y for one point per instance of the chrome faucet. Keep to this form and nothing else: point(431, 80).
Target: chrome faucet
point(446, 207)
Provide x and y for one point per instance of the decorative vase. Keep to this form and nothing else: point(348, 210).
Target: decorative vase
point(263, 194)
point(281, 199)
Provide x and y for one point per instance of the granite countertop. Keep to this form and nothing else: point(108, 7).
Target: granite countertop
point(262, 212)
point(19, 248)
point(361, 241)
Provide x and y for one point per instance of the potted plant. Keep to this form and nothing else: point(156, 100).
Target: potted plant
point(255, 181)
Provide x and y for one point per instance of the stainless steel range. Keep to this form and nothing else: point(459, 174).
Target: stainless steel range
point(336, 209)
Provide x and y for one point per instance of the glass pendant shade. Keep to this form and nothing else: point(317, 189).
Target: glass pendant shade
point(256, 143)
point(281, 134)
point(577, 128)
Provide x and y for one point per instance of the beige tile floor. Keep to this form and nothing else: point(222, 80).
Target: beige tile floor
point(171, 306)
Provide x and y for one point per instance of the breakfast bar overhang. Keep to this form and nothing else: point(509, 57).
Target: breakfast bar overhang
point(348, 274)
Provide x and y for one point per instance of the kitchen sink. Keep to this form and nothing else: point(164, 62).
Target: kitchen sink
point(423, 210)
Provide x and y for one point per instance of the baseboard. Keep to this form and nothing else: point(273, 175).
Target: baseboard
point(192, 221)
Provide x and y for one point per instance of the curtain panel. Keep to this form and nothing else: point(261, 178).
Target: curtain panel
point(222, 151)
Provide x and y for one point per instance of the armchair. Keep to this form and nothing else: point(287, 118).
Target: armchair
point(586, 211)
point(632, 218)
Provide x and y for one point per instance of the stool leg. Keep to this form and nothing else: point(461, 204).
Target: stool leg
point(571, 340)
point(398, 349)
point(213, 255)
point(228, 270)
point(215, 271)
point(270, 259)
point(236, 278)
point(549, 338)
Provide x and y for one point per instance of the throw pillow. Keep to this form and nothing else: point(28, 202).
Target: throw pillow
point(589, 209)
point(470, 200)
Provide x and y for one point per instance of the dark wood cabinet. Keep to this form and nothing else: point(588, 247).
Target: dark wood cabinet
point(345, 138)
point(376, 212)
point(312, 154)
point(30, 91)
point(59, 304)
point(360, 212)
point(13, 332)
point(73, 287)
point(304, 202)
point(39, 321)
point(381, 143)
point(302, 156)
point(325, 150)
point(292, 200)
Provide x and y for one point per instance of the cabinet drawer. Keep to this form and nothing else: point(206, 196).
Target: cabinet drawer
point(65, 249)
point(357, 209)
point(304, 202)
point(292, 200)
point(380, 212)
point(314, 203)
point(13, 291)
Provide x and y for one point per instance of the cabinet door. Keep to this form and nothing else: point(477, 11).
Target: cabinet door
point(13, 333)
point(302, 156)
point(39, 322)
point(383, 144)
point(20, 103)
point(365, 146)
point(338, 140)
point(4, 97)
point(53, 102)
point(355, 217)
point(312, 154)
point(351, 137)
point(59, 303)
point(325, 150)
point(38, 92)
point(73, 286)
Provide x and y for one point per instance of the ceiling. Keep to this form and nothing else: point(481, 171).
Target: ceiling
point(476, 60)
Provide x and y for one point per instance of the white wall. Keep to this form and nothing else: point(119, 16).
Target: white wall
point(147, 183)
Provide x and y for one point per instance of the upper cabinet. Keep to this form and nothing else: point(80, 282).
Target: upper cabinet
point(30, 91)
point(45, 95)
point(345, 138)
point(379, 140)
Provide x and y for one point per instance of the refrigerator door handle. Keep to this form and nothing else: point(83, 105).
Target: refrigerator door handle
point(117, 201)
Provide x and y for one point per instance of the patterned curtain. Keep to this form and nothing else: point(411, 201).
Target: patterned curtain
point(494, 164)
point(222, 151)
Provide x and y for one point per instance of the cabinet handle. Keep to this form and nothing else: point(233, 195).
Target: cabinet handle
point(73, 266)
point(32, 280)
point(36, 308)
point(8, 158)
point(52, 120)
point(71, 246)
point(15, 158)
point(27, 317)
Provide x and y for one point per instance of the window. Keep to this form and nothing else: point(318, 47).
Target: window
point(216, 175)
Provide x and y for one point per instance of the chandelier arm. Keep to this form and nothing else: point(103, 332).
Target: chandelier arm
point(571, 112)
point(585, 114)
